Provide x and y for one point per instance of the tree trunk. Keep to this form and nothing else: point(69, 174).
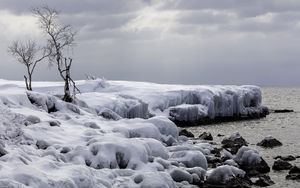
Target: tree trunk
point(67, 96)
point(29, 82)
point(28, 87)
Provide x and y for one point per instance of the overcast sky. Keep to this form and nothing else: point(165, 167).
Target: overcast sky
point(168, 41)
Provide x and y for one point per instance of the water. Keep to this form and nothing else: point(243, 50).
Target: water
point(285, 127)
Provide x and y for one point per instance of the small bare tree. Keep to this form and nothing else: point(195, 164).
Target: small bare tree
point(30, 55)
point(60, 39)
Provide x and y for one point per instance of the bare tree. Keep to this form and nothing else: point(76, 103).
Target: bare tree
point(30, 55)
point(60, 39)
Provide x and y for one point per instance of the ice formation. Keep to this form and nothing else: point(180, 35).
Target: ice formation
point(116, 134)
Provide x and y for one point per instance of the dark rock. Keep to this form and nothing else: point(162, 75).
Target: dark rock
point(2, 151)
point(286, 158)
point(293, 177)
point(206, 136)
point(269, 142)
point(54, 123)
point(184, 132)
point(281, 165)
point(294, 173)
point(216, 151)
point(41, 144)
point(212, 160)
point(294, 170)
point(234, 142)
point(220, 135)
point(264, 181)
point(283, 111)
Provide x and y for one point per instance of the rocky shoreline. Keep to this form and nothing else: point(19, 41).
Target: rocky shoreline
point(245, 164)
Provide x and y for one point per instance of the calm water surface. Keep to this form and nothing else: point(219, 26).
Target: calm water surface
point(285, 127)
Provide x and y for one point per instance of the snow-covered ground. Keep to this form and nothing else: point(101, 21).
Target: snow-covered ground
point(116, 134)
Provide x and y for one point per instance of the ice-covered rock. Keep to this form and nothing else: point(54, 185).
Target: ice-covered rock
point(228, 176)
point(180, 175)
point(250, 160)
point(190, 158)
point(181, 103)
point(188, 112)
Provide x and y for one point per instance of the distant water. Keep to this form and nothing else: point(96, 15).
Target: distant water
point(285, 127)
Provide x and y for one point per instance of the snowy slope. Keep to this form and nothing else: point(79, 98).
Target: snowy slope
point(45, 142)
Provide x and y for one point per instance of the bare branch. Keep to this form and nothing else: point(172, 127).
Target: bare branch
point(60, 38)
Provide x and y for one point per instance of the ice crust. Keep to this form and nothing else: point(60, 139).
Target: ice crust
point(92, 143)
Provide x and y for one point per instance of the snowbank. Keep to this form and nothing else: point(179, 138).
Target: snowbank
point(116, 134)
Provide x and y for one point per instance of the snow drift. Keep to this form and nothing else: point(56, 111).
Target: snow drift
point(116, 134)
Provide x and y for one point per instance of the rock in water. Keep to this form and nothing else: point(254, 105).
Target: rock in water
point(294, 173)
point(281, 165)
point(286, 158)
point(186, 133)
point(269, 142)
point(264, 181)
point(283, 111)
point(234, 142)
point(206, 136)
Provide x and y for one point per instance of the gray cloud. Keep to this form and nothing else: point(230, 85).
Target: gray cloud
point(169, 41)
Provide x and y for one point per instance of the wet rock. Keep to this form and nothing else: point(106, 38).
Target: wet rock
point(216, 151)
point(294, 170)
point(54, 123)
point(286, 158)
point(269, 142)
point(2, 151)
point(206, 136)
point(212, 159)
point(283, 111)
point(184, 132)
point(281, 165)
point(42, 144)
point(250, 161)
point(294, 173)
point(264, 181)
point(234, 142)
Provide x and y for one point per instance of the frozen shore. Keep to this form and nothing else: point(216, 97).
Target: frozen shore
point(116, 134)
